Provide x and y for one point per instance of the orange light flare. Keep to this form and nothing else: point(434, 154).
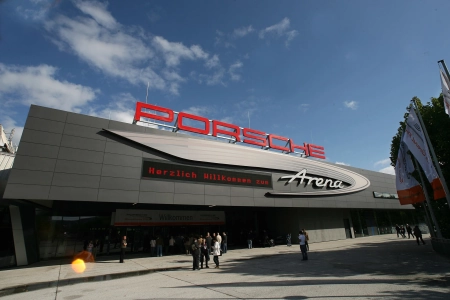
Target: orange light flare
point(78, 266)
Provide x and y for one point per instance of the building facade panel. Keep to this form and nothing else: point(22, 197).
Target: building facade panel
point(75, 142)
point(83, 131)
point(126, 184)
point(47, 113)
point(159, 186)
point(77, 167)
point(26, 191)
point(30, 177)
point(156, 198)
point(38, 150)
point(76, 180)
point(41, 137)
point(35, 163)
point(73, 193)
point(121, 196)
point(80, 155)
point(44, 125)
point(217, 200)
point(78, 119)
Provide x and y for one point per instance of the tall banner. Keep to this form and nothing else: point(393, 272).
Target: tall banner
point(414, 138)
point(408, 189)
point(445, 92)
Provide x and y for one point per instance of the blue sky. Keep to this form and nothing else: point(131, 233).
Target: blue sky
point(334, 73)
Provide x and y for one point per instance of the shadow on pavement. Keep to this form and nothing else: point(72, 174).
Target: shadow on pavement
point(400, 262)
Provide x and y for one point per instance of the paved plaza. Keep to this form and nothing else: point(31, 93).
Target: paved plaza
point(364, 268)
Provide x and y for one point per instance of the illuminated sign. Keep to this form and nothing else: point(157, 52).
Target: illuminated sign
point(385, 195)
point(317, 181)
point(218, 129)
point(161, 170)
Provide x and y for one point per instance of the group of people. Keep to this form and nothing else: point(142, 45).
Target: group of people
point(202, 248)
point(416, 232)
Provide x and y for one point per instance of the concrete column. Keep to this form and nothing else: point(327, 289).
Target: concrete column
point(18, 235)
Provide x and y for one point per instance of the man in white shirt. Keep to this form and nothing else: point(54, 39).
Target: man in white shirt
point(302, 239)
point(219, 238)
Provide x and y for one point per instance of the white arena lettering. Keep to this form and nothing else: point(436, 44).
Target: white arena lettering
point(320, 182)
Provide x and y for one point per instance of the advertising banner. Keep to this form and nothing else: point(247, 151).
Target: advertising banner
point(414, 138)
point(137, 217)
point(408, 189)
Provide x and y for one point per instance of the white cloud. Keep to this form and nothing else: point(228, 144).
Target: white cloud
point(35, 10)
point(213, 62)
point(243, 31)
point(122, 52)
point(202, 111)
point(382, 162)
point(290, 36)
point(342, 163)
point(388, 170)
point(114, 52)
point(279, 30)
point(121, 108)
point(97, 11)
point(235, 68)
point(38, 85)
point(304, 107)
point(228, 39)
point(174, 52)
point(351, 104)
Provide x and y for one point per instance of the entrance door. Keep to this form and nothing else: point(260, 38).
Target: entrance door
point(348, 231)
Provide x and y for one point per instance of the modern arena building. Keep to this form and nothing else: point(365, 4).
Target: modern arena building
point(77, 178)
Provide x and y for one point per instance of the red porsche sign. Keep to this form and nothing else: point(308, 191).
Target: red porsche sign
point(218, 129)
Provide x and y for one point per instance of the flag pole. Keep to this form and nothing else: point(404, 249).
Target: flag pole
point(433, 155)
point(427, 200)
point(445, 67)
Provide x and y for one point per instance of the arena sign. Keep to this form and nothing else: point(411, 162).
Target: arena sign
point(325, 178)
point(177, 121)
point(317, 181)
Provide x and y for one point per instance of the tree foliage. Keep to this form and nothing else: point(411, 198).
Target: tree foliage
point(437, 124)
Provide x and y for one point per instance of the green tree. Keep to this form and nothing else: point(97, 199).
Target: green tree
point(437, 124)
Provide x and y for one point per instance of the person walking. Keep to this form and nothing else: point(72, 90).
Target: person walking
point(418, 235)
point(159, 246)
point(402, 231)
point(250, 239)
point(123, 247)
point(409, 230)
point(153, 246)
point(171, 245)
point(219, 240)
point(95, 248)
point(306, 238)
point(216, 252)
point(302, 239)
point(187, 246)
point(288, 240)
point(397, 228)
point(204, 254)
point(195, 250)
point(208, 242)
point(224, 243)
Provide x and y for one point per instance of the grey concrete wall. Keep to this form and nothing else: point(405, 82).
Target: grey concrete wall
point(64, 156)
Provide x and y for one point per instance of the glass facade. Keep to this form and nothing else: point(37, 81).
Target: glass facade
point(7, 253)
point(63, 236)
point(374, 222)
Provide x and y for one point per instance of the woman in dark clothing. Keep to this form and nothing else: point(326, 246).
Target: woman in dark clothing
point(204, 254)
point(418, 235)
